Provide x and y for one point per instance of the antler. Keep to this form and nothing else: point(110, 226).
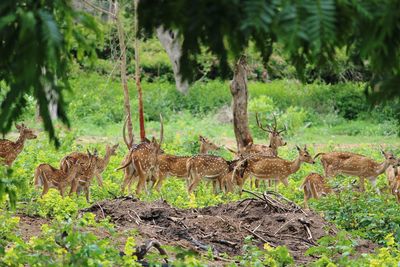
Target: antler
point(161, 129)
point(260, 125)
point(128, 144)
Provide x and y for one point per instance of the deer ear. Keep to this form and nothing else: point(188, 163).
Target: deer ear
point(201, 138)
point(18, 126)
point(95, 153)
point(116, 146)
point(298, 148)
point(305, 147)
point(88, 152)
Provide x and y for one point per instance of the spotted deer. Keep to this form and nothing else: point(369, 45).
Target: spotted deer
point(314, 186)
point(210, 167)
point(275, 140)
point(9, 150)
point(170, 165)
point(394, 185)
point(74, 157)
point(353, 164)
point(143, 161)
point(84, 176)
point(50, 177)
point(264, 168)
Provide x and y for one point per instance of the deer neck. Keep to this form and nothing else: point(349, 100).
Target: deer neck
point(273, 147)
point(295, 165)
point(106, 159)
point(381, 168)
point(203, 149)
point(19, 144)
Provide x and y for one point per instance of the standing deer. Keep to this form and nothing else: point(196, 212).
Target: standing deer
point(74, 157)
point(50, 177)
point(353, 164)
point(9, 150)
point(314, 186)
point(265, 168)
point(85, 175)
point(211, 167)
point(275, 141)
point(143, 159)
point(170, 165)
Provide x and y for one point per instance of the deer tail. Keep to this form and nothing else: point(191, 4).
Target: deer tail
point(126, 164)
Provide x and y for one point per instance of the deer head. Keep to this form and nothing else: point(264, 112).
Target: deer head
point(206, 145)
point(390, 159)
point(112, 150)
point(304, 155)
point(275, 137)
point(25, 132)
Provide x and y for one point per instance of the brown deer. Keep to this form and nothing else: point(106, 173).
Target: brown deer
point(353, 164)
point(83, 178)
point(206, 145)
point(314, 186)
point(102, 163)
point(50, 177)
point(275, 140)
point(143, 159)
point(9, 150)
point(211, 167)
point(264, 168)
point(170, 165)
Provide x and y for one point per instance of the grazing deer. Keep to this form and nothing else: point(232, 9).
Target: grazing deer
point(314, 186)
point(85, 175)
point(143, 159)
point(210, 167)
point(264, 168)
point(348, 163)
point(9, 150)
point(102, 163)
point(170, 165)
point(50, 177)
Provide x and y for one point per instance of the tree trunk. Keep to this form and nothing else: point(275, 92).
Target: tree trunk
point(127, 105)
point(137, 77)
point(239, 93)
point(172, 46)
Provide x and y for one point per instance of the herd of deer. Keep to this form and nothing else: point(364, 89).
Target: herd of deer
point(147, 164)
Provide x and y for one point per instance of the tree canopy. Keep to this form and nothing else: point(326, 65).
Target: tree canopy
point(310, 31)
point(38, 40)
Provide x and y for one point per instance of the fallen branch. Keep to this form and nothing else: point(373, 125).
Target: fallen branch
point(258, 236)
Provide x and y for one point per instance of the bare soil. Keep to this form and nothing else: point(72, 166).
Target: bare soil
point(223, 227)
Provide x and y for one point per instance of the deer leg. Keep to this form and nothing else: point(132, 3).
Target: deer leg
point(87, 192)
point(195, 182)
point(99, 179)
point(142, 178)
point(61, 189)
point(373, 182)
point(45, 188)
point(74, 185)
point(362, 187)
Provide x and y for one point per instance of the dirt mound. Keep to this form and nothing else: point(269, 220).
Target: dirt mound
point(223, 227)
point(268, 217)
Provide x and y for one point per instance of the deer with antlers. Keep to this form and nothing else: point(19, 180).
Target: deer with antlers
point(142, 161)
point(9, 150)
point(74, 157)
point(314, 186)
point(353, 164)
point(275, 140)
point(264, 168)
